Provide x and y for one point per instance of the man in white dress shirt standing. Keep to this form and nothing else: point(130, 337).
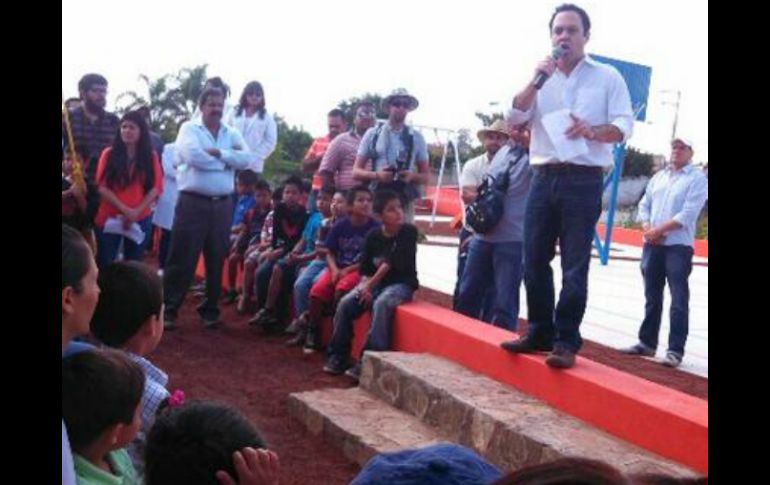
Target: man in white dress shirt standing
point(565, 199)
point(669, 212)
point(208, 153)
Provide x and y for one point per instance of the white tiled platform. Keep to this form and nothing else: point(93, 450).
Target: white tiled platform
point(615, 301)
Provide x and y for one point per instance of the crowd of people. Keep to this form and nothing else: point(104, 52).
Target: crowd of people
point(338, 245)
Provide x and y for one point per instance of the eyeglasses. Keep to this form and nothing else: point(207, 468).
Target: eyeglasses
point(365, 114)
point(401, 103)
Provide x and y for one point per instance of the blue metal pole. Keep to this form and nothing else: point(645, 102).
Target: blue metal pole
point(604, 253)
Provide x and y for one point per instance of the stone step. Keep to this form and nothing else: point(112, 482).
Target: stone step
point(359, 424)
point(506, 426)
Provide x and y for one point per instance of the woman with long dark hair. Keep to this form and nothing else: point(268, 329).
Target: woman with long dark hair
point(252, 120)
point(129, 178)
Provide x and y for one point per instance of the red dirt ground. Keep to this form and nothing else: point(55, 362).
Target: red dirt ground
point(255, 373)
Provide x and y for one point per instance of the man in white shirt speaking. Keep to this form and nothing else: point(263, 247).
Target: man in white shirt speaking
point(590, 105)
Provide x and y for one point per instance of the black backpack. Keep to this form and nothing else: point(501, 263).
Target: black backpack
point(484, 213)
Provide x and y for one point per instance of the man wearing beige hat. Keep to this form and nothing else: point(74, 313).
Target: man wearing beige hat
point(668, 212)
point(495, 258)
point(492, 138)
point(394, 156)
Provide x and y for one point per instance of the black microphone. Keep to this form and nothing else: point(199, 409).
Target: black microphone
point(541, 77)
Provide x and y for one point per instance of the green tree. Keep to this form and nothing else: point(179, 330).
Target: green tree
point(172, 99)
point(488, 119)
point(637, 163)
point(289, 151)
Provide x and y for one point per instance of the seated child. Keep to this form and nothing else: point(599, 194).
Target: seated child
point(343, 245)
point(129, 317)
point(308, 275)
point(388, 278)
point(254, 255)
point(251, 229)
point(288, 221)
point(207, 443)
point(285, 271)
point(101, 395)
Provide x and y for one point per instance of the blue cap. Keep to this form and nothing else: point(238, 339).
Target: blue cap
point(441, 464)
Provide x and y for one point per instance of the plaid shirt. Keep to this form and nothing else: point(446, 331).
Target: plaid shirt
point(340, 157)
point(154, 393)
point(92, 137)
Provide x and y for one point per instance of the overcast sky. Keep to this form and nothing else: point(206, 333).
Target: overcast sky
point(455, 56)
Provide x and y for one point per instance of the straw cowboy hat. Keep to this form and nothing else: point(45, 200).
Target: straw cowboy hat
point(498, 126)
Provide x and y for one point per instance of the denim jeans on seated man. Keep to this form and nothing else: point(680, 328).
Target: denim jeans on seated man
point(565, 207)
point(384, 303)
point(661, 264)
point(492, 265)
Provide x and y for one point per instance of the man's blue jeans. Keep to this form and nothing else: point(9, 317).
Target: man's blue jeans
point(661, 264)
point(562, 205)
point(497, 265)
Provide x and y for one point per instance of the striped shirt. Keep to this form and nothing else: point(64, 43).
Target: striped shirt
point(339, 159)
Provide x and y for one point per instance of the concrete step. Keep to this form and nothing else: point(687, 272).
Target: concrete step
point(506, 426)
point(359, 424)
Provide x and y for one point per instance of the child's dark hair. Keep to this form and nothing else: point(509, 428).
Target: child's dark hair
point(295, 181)
point(565, 470)
point(100, 388)
point(248, 177)
point(660, 479)
point(261, 184)
point(190, 443)
point(75, 258)
point(131, 292)
point(328, 190)
point(277, 194)
point(351, 195)
point(381, 199)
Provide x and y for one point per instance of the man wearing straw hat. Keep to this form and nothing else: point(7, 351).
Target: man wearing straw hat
point(495, 258)
point(397, 153)
point(492, 138)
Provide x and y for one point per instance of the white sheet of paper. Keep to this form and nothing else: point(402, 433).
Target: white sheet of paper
point(556, 123)
point(114, 225)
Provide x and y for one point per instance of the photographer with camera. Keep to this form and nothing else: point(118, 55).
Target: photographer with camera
point(398, 153)
point(496, 215)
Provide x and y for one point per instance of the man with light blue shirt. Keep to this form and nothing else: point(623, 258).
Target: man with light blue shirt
point(669, 212)
point(592, 101)
point(394, 156)
point(209, 153)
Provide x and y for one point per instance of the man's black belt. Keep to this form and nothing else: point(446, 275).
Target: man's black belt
point(212, 198)
point(567, 168)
